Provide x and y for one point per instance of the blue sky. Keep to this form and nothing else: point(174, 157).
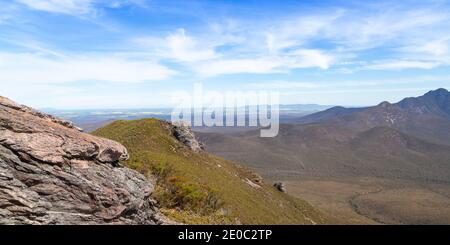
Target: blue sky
point(135, 53)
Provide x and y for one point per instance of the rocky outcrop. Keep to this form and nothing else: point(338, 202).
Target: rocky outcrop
point(5, 102)
point(280, 186)
point(183, 133)
point(51, 173)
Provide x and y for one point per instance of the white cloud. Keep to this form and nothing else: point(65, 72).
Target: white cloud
point(402, 64)
point(297, 30)
point(306, 58)
point(281, 85)
point(60, 6)
point(289, 42)
point(357, 83)
point(234, 47)
point(122, 3)
point(77, 7)
point(178, 46)
point(352, 32)
point(302, 58)
point(232, 66)
point(388, 26)
point(199, 55)
point(29, 68)
point(185, 48)
point(435, 48)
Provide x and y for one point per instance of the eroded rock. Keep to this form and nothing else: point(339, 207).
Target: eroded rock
point(183, 133)
point(51, 173)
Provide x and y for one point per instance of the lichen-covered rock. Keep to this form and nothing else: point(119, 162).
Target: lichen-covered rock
point(183, 133)
point(51, 173)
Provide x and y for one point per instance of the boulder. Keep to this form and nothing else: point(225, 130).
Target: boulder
point(280, 186)
point(52, 173)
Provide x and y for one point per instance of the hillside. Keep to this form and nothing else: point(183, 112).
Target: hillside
point(197, 187)
point(322, 150)
point(325, 115)
point(363, 165)
point(426, 116)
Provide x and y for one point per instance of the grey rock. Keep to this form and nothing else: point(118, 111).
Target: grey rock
point(184, 134)
point(51, 173)
point(280, 186)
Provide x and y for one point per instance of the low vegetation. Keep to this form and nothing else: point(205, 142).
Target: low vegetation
point(199, 188)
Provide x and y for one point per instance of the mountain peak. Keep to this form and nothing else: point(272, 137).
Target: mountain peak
point(384, 104)
point(439, 91)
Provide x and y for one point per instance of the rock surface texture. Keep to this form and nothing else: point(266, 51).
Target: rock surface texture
point(183, 133)
point(52, 173)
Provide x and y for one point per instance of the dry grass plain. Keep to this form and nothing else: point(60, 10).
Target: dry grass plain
point(371, 200)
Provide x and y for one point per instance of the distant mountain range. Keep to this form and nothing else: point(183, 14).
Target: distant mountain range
point(91, 119)
point(426, 116)
point(409, 139)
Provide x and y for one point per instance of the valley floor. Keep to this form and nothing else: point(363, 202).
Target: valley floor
point(370, 200)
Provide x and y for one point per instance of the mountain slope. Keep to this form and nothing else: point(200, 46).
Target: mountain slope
point(434, 102)
point(213, 189)
point(324, 151)
point(322, 116)
point(426, 116)
point(384, 164)
point(409, 139)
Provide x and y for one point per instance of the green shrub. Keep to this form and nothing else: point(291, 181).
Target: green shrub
point(162, 171)
point(177, 192)
point(173, 191)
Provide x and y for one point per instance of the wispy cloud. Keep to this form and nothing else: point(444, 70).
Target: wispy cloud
point(297, 30)
point(302, 58)
point(390, 25)
point(233, 46)
point(77, 7)
point(48, 42)
point(60, 6)
point(35, 68)
point(309, 86)
point(401, 35)
point(233, 66)
point(401, 65)
point(185, 48)
point(281, 85)
point(204, 56)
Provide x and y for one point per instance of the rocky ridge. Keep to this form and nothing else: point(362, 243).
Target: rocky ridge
point(52, 173)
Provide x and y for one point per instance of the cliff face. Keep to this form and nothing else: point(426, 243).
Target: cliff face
point(52, 173)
